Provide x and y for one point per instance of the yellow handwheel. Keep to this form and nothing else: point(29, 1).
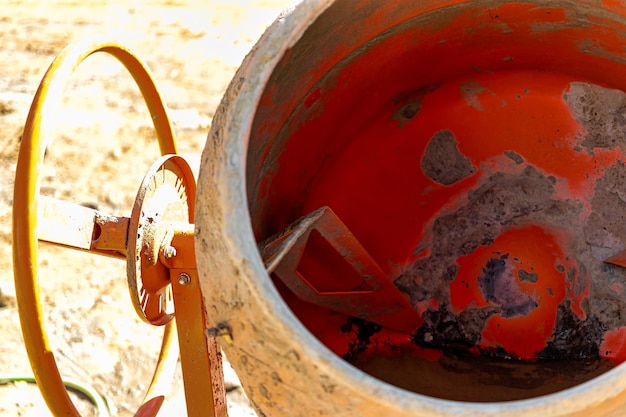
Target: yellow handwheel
point(25, 212)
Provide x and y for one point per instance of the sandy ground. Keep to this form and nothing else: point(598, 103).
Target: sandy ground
point(103, 144)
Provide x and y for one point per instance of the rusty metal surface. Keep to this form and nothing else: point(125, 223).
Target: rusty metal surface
point(336, 272)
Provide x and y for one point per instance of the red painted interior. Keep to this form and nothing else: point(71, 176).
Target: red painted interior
point(494, 77)
point(523, 335)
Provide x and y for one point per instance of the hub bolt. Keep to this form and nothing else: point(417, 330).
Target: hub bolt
point(169, 252)
point(184, 279)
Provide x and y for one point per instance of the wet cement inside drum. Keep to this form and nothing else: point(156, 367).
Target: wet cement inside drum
point(461, 376)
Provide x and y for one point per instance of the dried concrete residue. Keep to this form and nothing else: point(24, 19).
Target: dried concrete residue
point(606, 225)
point(571, 331)
point(470, 91)
point(443, 162)
point(502, 200)
point(526, 276)
point(605, 234)
point(411, 104)
point(601, 111)
point(500, 287)
point(444, 330)
point(506, 200)
point(364, 332)
point(514, 156)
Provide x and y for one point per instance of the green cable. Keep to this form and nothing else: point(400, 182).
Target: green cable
point(88, 391)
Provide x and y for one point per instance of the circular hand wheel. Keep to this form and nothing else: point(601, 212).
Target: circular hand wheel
point(25, 203)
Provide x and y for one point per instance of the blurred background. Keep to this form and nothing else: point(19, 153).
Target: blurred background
point(103, 143)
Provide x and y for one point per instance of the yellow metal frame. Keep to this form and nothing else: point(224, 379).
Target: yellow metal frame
point(25, 210)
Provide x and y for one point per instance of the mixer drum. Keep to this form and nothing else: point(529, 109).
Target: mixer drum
point(476, 151)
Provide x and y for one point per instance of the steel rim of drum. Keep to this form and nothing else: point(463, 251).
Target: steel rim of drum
point(225, 177)
point(25, 202)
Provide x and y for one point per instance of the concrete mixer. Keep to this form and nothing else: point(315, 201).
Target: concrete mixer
point(403, 208)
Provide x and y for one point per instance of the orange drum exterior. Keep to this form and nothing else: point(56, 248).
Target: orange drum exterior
point(477, 151)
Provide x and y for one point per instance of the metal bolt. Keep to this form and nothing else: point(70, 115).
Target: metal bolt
point(169, 252)
point(184, 279)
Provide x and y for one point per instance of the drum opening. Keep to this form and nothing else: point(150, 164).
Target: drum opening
point(475, 151)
